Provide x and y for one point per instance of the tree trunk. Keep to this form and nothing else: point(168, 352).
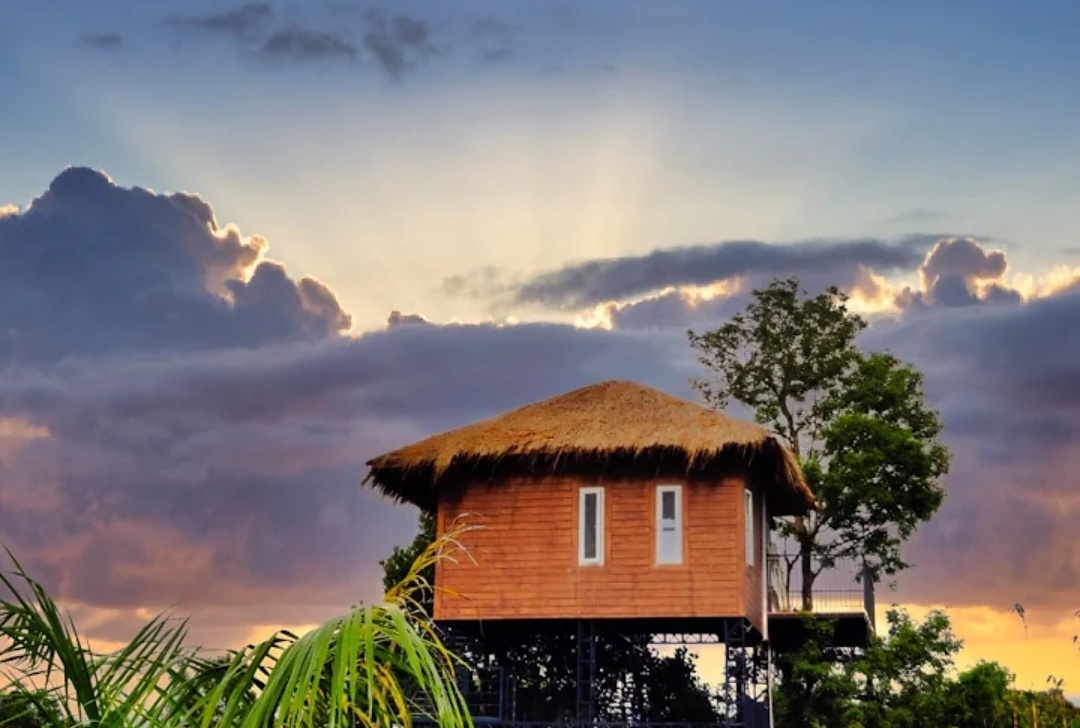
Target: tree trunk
point(806, 560)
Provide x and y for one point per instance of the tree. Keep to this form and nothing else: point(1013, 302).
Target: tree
point(816, 690)
point(980, 697)
point(858, 422)
point(36, 709)
point(675, 693)
point(903, 678)
point(396, 567)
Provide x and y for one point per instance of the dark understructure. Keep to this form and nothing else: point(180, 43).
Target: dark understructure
point(745, 690)
point(491, 688)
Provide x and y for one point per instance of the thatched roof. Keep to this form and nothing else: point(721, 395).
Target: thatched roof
point(604, 427)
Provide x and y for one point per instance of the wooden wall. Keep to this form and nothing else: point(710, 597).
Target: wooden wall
point(526, 554)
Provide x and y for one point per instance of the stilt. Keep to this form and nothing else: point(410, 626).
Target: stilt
point(736, 672)
point(586, 671)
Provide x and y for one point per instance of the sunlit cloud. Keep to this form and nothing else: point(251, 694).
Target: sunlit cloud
point(1044, 285)
point(602, 316)
point(15, 434)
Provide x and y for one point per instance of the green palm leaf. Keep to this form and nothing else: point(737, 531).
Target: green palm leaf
point(378, 665)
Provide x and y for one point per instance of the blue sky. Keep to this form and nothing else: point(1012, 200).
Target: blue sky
point(168, 393)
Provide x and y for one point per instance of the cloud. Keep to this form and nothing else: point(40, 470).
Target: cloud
point(396, 41)
point(184, 423)
point(245, 20)
point(298, 43)
point(699, 307)
point(960, 272)
point(101, 41)
point(588, 283)
point(91, 268)
point(1003, 378)
point(229, 478)
point(294, 41)
point(397, 318)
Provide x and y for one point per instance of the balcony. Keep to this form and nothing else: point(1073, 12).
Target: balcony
point(839, 595)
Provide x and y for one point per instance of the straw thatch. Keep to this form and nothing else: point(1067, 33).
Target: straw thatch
point(609, 427)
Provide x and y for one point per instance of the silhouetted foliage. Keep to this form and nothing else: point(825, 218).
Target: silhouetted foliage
point(906, 679)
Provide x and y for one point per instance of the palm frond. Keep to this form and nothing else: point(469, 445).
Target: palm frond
point(378, 665)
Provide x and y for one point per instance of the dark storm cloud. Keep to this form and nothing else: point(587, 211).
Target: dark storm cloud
point(101, 41)
point(245, 20)
point(90, 267)
point(1004, 379)
point(136, 440)
point(183, 424)
point(299, 43)
point(597, 281)
point(155, 452)
point(246, 463)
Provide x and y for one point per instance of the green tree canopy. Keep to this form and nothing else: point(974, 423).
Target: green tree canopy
point(858, 422)
point(906, 679)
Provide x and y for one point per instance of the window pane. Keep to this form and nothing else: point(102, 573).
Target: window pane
point(590, 525)
point(667, 505)
point(669, 537)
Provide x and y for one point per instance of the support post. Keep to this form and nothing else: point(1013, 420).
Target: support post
point(586, 671)
point(868, 598)
point(769, 681)
point(735, 671)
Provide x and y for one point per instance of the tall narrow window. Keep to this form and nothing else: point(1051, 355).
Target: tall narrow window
point(750, 541)
point(591, 526)
point(669, 537)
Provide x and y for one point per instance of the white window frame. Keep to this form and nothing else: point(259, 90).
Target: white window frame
point(598, 560)
point(749, 542)
point(765, 567)
point(677, 490)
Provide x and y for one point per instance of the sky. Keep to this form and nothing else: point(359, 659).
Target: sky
point(244, 248)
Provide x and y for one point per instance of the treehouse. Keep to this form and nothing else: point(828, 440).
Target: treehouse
point(614, 508)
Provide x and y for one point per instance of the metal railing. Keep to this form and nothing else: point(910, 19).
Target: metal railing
point(841, 589)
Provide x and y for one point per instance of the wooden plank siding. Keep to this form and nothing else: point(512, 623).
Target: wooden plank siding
point(526, 554)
